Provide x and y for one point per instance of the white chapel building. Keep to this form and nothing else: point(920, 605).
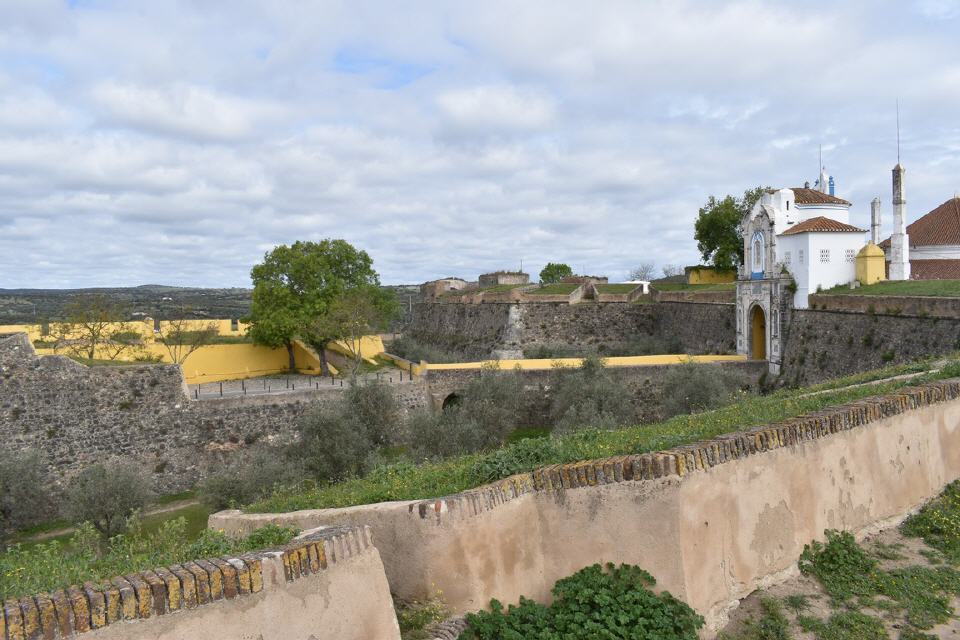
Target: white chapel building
point(797, 241)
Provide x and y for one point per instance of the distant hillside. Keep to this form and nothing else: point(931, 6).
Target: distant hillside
point(22, 306)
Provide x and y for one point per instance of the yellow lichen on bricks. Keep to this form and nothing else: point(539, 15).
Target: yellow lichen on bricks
point(256, 573)
point(128, 598)
point(81, 609)
point(11, 610)
point(144, 595)
point(243, 575)
point(111, 596)
point(31, 618)
point(188, 586)
point(214, 577)
point(202, 581)
point(322, 555)
point(172, 584)
point(3, 624)
point(98, 605)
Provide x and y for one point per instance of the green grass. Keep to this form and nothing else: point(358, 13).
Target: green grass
point(682, 286)
point(938, 523)
point(556, 289)
point(932, 288)
point(407, 481)
point(616, 288)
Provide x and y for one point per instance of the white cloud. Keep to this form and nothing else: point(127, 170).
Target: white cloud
point(496, 108)
point(159, 142)
point(184, 110)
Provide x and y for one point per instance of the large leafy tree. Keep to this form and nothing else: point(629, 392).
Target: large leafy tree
point(555, 272)
point(295, 286)
point(717, 230)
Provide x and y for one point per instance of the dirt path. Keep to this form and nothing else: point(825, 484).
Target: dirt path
point(158, 510)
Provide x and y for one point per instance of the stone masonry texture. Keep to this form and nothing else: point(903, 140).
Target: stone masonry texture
point(479, 330)
point(75, 416)
point(828, 344)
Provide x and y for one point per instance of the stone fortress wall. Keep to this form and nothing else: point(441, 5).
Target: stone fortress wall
point(504, 329)
point(829, 344)
point(711, 521)
point(76, 415)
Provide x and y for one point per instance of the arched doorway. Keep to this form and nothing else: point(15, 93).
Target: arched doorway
point(758, 333)
point(451, 401)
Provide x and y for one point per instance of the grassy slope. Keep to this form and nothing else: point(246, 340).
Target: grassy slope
point(934, 288)
point(559, 288)
point(682, 286)
point(434, 479)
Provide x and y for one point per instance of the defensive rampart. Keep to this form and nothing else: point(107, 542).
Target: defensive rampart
point(921, 306)
point(75, 415)
point(829, 344)
point(485, 330)
point(328, 583)
point(711, 521)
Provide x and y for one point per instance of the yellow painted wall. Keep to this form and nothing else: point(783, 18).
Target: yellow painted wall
point(211, 363)
point(710, 276)
point(870, 265)
point(546, 363)
point(370, 348)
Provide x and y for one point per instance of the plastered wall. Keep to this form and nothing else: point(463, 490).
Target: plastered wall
point(711, 521)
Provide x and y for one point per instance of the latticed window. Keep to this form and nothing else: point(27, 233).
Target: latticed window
point(800, 256)
point(850, 255)
point(786, 257)
point(824, 255)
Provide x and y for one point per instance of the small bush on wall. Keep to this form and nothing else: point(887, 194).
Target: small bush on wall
point(606, 603)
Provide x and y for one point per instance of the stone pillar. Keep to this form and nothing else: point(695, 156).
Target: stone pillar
point(899, 241)
point(875, 221)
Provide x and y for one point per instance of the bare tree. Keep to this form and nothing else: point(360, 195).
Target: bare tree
point(182, 337)
point(644, 271)
point(95, 323)
point(357, 313)
point(670, 270)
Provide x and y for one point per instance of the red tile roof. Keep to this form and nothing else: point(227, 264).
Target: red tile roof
point(939, 227)
point(934, 269)
point(821, 224)
point(805, 195)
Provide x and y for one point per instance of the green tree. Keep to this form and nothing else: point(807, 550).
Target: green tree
point(107, 494)
point(357, 313)
point(554, 272)
point(717, 229)
point(295, 286)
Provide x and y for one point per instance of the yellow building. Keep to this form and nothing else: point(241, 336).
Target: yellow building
point(709, 275)
point(870, 265)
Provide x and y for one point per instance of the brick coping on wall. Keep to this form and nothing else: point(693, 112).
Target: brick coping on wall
point(685, 460)
point(65, 613)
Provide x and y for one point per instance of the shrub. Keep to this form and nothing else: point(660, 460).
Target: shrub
point(23, 500)
point(483, 418)
point(342, 441)
point(375, 406)
point(589, 396)
point(938, 523)
point(604, 603)
point(106, 494)
point(333, 444)
point(250, 478)
point(694, 387)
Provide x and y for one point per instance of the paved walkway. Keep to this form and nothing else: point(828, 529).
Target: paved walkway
point(277, 384)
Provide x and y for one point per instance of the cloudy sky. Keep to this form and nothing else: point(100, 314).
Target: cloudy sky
point(175, 142)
